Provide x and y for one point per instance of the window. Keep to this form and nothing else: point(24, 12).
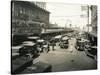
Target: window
point(23, 11)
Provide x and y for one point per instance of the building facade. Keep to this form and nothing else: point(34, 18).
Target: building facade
point(92, 36)
point(41, 4)
point(24, 12)
point(94, 18)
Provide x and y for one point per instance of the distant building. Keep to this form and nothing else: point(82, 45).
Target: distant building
point(91, 11)
point(94, 18)
point(92, 35)
point(23, 12)
point(53, 25)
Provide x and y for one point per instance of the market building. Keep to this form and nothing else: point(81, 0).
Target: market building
point(28, 17)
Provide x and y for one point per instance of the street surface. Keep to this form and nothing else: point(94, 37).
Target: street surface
point(68, 59)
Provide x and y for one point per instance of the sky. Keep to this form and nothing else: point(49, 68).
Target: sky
point(64, 14)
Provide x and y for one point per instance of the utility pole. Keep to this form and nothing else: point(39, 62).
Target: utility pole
point(66, 24)
point(88, 17)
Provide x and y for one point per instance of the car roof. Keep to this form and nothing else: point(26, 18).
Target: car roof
point(28, 43)
point(59, 36)
point(65, 38)
point(40, 40)
point(34, 37)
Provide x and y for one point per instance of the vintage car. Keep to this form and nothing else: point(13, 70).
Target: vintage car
point(57, 38)
point(64, 42)
point(81, 44)
point(15, 51)
point(92, 52)
point(29, 48)
point(43, 46)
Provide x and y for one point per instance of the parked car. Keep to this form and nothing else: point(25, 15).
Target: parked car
point(82, 44)
point(43, 46)
point(29, 48)
point(92, 52)
point(15, 51)
point(40, 45)
point(64, 42)
point(57, 38)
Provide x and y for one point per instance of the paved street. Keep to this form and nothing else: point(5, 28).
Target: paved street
point(67, 59)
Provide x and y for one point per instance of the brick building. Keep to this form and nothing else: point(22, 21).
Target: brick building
point(24, 12)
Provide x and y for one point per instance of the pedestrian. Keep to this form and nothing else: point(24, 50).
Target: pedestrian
point(53, 45)
point(48, 46)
